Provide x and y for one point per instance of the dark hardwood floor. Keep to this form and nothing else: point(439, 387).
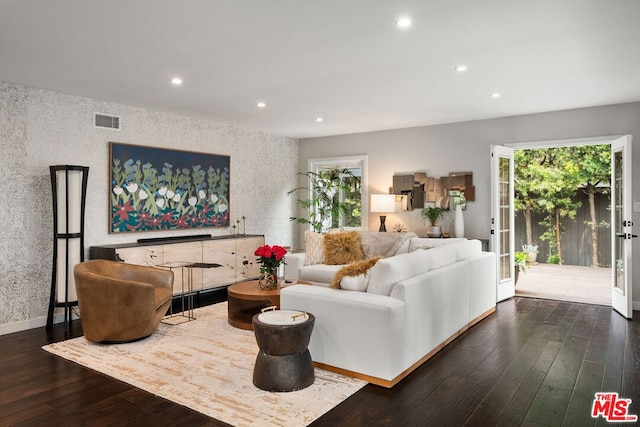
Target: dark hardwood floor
point(534, 362)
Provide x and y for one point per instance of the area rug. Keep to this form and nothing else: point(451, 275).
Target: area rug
point(207, 365)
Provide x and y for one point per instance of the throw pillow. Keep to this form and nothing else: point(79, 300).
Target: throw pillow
point(313, 248)
point(342, 248)
point(353, 277)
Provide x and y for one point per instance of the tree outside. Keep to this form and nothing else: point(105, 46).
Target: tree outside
point(547, 181)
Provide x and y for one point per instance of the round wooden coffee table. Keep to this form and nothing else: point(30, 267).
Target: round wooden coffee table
point(246, 299)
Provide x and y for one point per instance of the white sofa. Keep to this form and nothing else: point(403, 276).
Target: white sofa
point(415, 304)
point(297, 266)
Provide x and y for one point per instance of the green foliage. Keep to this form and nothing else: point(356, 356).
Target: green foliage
point(548, 179)
point(432, 214)
point(521, 260)
point(334, 194)
point(553, 259)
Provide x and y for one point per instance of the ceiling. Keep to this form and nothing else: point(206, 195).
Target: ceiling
point(343, 60)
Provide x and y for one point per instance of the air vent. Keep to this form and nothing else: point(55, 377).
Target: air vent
point(106, 121)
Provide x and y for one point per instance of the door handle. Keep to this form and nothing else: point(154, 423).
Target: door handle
point(626, 236)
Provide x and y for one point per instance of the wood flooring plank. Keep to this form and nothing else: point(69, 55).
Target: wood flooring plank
point(502, 371)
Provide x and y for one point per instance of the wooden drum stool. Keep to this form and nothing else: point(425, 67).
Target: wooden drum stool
point(283, 362)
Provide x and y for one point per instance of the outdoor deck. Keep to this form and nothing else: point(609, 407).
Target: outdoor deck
point(566, 283)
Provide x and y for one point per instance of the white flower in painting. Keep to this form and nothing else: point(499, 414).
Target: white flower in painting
point(193, 200)
point(202, 194)
point(143, 195)
point(176, 198)
point(162, 191)
point(222, 208)
point(132, 188)
point(117, 190)
point(170, 194)
point(214, 198)
point(160, 203)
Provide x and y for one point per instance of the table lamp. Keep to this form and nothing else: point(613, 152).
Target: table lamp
point(383, 203)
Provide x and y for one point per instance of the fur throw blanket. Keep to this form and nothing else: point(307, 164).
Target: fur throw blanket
point(375, 244)
point(352, 270)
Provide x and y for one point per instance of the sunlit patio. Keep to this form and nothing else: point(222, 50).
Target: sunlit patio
point(567, 283)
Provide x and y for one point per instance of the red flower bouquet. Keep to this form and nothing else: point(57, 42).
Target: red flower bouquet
point(270, 257)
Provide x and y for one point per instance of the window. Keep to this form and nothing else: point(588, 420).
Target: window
point(349, 173)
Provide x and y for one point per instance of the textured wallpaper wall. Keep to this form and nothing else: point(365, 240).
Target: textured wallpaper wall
point(39, 128)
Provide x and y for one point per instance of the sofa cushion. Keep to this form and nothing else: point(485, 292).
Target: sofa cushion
point(389, 271)
point(319, 273)
point(342, 248)
point(441, 256)
point(467, 249)
point(313, 248)
point(354, 276)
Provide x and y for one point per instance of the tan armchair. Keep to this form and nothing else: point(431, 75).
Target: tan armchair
point(121, 302)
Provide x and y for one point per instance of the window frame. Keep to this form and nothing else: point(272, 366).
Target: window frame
point(358, 161)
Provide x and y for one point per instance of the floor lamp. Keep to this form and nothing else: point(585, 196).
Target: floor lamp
point(69, 188)
point(383, 203)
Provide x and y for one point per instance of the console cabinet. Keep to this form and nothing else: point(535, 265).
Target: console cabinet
point(213, 261)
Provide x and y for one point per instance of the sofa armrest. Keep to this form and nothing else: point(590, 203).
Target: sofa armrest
point(349, 325)
point(292, 265)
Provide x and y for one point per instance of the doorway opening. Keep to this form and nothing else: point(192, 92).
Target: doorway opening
point(562, 229)
point(503, 216)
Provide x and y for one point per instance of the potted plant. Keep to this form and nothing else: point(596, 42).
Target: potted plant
point(521, 260)
point(433, 214)
point(324, 204)
point(532, 252)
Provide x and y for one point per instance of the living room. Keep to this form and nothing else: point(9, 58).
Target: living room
point(41, 126)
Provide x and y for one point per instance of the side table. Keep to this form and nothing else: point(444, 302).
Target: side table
point(283, 362)
point(244, 299)
point(186, 296)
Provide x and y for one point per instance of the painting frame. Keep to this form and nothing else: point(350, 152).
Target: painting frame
point(162, 189)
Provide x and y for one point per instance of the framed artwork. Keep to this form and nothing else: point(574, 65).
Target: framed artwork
point(159, 189)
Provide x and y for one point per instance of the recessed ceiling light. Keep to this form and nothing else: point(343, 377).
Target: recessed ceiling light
point(495, 95)
point(261, 105)
point(461, 68)
point(403, 22)
point(176, 81)
point(319, 119)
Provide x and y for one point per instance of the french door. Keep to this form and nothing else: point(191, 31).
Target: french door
point(621, 226)
point(502, 219)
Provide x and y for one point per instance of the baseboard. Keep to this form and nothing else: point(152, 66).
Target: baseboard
point(636, 305)
point(38, 322)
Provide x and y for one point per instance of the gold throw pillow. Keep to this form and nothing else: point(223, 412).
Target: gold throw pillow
point(342, 248)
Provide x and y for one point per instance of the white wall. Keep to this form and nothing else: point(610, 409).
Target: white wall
point(462, 147)
point(40, 128)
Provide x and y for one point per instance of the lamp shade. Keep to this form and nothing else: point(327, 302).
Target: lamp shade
point(383, 203)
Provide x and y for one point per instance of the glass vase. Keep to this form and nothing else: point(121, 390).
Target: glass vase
point(268, 279)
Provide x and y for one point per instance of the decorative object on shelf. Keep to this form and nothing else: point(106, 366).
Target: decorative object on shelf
point(158, 189)
point(400, 228)
point(433, 214)
point(420, 188)
point(325, 209)
point(383, 203)
point(69, 188)
point(270, 258)
point(458, 222)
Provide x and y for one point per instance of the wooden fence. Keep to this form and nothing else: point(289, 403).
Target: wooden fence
point(576, 239)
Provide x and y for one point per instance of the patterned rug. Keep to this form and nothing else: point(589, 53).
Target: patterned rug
point(207, 365)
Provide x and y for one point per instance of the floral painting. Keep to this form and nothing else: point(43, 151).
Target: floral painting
point(160, 189)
